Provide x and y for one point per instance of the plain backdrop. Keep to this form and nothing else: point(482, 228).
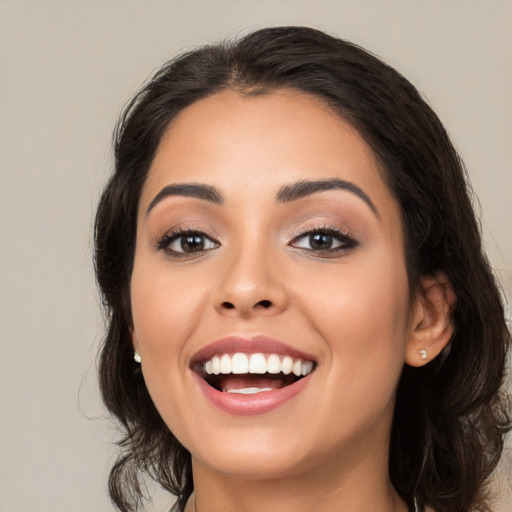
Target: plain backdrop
point(66, 69)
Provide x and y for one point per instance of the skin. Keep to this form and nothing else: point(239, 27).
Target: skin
point(327, 448)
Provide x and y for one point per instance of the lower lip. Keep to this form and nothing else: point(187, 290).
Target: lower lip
point(258, 403)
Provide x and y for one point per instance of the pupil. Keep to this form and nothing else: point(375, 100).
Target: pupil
point(192, 243)
point(320, 241)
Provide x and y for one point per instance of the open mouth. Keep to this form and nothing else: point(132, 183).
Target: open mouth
point(250, 374)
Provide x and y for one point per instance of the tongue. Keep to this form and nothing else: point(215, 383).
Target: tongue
point(232, 384)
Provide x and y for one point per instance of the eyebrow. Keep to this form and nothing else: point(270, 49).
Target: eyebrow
point(304, 188)
point(197, 190)
point(287, 193)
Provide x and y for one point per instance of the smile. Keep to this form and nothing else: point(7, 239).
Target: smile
point(254, 373)
point(251, 381)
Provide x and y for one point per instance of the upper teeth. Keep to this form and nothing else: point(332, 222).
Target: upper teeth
point(240, 363)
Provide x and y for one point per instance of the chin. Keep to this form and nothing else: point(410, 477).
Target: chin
point(255, 464)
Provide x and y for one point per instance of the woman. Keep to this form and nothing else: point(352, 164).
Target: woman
point(301, 316)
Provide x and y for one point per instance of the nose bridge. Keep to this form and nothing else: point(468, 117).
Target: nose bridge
point(251, 282)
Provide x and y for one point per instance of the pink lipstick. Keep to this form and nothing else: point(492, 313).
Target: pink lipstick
point(251, 375)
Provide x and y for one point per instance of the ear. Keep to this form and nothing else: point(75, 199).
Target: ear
point(431, 327)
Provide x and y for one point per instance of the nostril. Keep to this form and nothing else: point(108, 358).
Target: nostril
point(260, 305)
point(264, 304)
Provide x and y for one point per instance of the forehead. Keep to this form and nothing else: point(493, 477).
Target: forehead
point(260, 142)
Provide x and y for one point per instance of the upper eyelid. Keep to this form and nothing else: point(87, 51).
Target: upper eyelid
point(180, 234)
point(184, 229)
point(340, 230)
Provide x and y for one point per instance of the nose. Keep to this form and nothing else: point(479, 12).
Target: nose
point(251, 285)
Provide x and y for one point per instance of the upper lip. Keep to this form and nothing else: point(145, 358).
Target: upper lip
point(249, 345)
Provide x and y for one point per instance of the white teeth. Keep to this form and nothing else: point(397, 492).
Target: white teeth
point(225, 364)
point(307, 368)
point(258, 363)
point(248, 391)
point(273, 364)
point(287, 365)
point(216, 365)
point(239, 363)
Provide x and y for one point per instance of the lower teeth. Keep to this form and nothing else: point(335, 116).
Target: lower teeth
point(248, 391)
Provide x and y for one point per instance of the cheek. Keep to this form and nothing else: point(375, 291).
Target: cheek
point(166, 311)
point(362, 316)
point(165, 308)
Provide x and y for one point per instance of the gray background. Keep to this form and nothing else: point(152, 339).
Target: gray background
point(66, 69)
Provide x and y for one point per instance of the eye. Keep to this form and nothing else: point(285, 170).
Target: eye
point(324, 241)
point(186, 242)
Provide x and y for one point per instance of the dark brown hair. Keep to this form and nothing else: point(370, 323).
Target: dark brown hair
point(450, 417)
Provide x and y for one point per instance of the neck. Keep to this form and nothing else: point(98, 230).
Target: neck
point(358, 488)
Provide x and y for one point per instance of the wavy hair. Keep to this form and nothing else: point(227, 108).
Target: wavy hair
point(452, 414)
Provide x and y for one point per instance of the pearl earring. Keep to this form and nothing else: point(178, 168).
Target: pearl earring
point(423, 354)
point(136, 357)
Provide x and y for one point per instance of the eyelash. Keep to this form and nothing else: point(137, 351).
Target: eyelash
point(180, 233)
point(341, 235)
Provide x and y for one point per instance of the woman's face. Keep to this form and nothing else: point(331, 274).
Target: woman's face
point(267, 245)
